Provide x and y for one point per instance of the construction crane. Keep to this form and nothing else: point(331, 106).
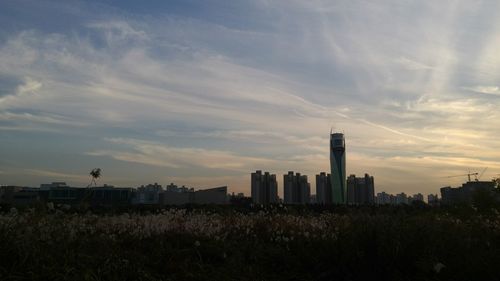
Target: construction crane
point(468, 175)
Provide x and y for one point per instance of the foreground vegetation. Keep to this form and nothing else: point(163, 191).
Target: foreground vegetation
point(251, 243)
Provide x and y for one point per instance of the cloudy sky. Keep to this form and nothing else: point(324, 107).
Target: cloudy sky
point(202, 93)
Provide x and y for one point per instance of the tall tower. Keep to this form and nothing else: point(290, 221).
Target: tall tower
point(337, 164)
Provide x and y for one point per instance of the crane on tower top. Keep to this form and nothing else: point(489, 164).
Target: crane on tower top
point(477, 176)
point(468, 176)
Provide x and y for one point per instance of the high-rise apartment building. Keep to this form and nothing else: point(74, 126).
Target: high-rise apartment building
point(360, 190)
point(337, 164)
point(297, 189)
point(323, 188)
point(264, 188)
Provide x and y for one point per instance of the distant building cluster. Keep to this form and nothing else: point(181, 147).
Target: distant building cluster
point(449, 195)
point(384, 198)
point(110, 196)
point(336, 188)
point(330, 188)
point(297, 189)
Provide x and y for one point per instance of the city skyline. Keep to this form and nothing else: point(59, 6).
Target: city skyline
point(202, 93)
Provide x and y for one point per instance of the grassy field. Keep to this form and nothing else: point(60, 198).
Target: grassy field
point(251, 243)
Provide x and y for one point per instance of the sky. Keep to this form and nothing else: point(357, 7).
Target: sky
point(202, 93)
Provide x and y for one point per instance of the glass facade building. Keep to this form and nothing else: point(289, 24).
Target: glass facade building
point(337, 164)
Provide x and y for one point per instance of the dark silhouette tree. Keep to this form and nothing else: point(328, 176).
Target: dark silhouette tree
point(95, 174)
point(483, 199)
point(497, 182)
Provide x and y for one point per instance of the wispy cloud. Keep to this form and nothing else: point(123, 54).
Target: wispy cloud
point(411, 64)
point(491, 90)
point(29, 87)
point(118, 30)
point(259, 87)
point(151, 153)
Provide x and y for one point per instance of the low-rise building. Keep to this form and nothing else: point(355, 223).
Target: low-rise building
point(110, 196)
point(216, 195)
point(183, 195)
point(176, 197)
point(105, 196)
point(56, 184)
point(19, 195)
